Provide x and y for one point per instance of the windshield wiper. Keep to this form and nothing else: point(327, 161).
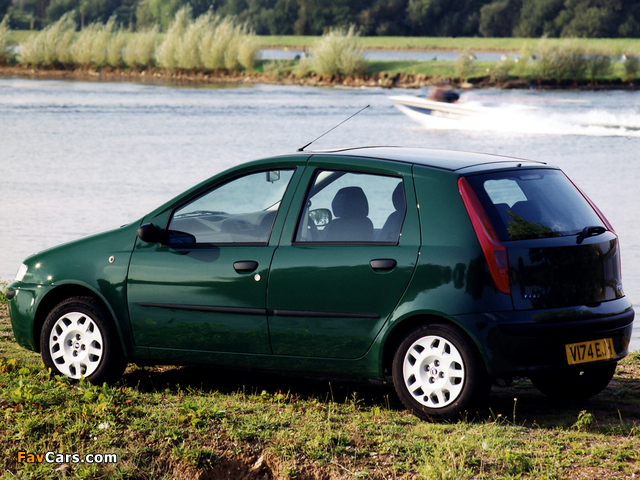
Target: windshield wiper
point(589, 232)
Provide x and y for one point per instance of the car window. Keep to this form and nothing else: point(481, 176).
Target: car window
point(534, 203)
point(352, 207)
point(240, 211)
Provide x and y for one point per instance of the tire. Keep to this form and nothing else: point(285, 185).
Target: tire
point(79, 340)
point(575, 383)
point(438, 374)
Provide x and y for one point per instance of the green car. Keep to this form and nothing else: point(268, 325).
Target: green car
point(439, 271)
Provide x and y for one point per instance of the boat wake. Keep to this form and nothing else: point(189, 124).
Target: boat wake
point(512, 117)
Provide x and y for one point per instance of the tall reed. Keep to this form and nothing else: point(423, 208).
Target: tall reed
point(167, 52)
point(207, 42)
point(140, 48)
point(338, 52)
point(50, 46)
point(5, 54)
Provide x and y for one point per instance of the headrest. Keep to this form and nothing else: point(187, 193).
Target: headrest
point(398, 198)
point(350, 202)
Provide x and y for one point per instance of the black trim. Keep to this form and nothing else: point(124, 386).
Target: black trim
point(576, 326)
point(303, 313)
point(206, 308)
point(258, 311)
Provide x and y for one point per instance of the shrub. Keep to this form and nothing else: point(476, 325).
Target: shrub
point(631, 66)
point(5, 54)
point(500, 71)
point(51, 46)
point(3, 292)
point(565, 61)
point(338, 52)
point(464, 65)
point(598, 65)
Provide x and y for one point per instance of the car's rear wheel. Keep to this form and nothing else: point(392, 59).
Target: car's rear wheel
point(438, 374)
point(79, 340)
point(575, 383)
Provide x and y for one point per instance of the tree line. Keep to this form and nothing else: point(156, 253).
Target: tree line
point(432, 18)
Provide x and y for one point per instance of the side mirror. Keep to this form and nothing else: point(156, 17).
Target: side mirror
point(273, 176)
point(321, 217)
point(149, 233)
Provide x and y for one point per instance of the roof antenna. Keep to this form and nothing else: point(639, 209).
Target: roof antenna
point(302, 148)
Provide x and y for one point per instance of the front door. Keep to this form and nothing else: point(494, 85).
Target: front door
point(344, 261)
point(204, 286)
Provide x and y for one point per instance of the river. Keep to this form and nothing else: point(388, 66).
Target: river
point(81, 157)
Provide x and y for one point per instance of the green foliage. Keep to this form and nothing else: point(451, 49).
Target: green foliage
point(564, 61)
point(338, 53)
point(501, 70)
point(598, 65)
point(3, 291)
point(464, 65)
point(631, 66)
point(585, 421)
point(498, 19)
point(156, 12)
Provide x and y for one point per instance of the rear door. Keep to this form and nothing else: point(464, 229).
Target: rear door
point(348, 250)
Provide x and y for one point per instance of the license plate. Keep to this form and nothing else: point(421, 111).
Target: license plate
point(592, 351)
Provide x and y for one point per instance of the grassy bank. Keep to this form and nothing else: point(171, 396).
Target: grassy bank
point(216, 423)
point(613, 46)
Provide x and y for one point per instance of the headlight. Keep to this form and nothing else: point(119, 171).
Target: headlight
point(22, 271)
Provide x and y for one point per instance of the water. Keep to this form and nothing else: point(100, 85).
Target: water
point(81, 157)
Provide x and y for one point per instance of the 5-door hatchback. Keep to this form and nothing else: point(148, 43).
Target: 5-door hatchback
point(441, 271)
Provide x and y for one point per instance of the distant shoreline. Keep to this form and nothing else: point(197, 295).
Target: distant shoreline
point(378, 79)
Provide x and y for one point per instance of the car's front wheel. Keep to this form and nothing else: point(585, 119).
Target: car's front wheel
point(575, 383)
point(438, 374)
point(78, 340)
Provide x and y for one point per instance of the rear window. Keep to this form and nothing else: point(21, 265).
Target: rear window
point(538, 203)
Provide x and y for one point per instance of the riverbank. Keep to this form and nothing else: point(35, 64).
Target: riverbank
point(386, 74)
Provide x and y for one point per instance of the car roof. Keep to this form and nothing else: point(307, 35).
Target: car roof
point(443, 159)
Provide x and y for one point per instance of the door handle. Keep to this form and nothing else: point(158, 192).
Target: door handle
point(245, 266)
point(383, 264)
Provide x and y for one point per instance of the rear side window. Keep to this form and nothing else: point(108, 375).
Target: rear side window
point(538, 203)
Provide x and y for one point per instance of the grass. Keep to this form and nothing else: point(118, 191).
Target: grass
point(613, 46)
point(171, 422)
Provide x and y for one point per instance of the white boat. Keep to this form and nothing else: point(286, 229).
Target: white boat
point(419, 109)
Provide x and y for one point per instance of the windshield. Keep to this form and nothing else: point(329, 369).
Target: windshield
point(536, 203)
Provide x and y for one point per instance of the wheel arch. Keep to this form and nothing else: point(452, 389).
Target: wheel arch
point(62, 292)
point(403, 327)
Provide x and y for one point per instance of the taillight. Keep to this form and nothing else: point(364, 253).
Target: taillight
point(494, 250)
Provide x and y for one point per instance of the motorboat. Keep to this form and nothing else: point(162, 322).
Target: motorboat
point(418, 108)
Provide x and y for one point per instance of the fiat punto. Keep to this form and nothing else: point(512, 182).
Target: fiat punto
point(438, 271)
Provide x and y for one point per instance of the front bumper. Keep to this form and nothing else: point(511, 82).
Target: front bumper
point(521, 342)
point(22, 310)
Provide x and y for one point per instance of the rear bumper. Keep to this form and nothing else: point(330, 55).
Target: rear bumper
point(521, 342)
